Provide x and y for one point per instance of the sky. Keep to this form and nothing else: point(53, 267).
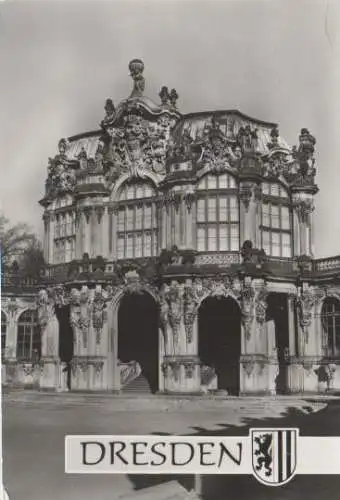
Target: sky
point(276, 60)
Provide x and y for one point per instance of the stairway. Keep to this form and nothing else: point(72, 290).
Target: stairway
point(138, 385)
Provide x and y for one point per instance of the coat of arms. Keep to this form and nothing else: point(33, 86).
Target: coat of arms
point(274, 454)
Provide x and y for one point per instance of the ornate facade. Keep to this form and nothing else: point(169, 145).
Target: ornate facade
point(179, 249)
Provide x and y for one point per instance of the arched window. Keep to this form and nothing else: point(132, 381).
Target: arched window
point(29, 341)
point(217, 214)
point(276, 221)
point(137, 221)
point(3, 333)
point(331, 324)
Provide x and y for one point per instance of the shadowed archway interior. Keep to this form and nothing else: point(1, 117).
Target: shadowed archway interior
point(277, 310)
point(219, 327)
point(138, 334)
point(66, 343)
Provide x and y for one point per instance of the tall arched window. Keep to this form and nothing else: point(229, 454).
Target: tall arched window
point(217, 214)
point(29, 341)
point(3, 333)
point(137, 221)
point(331, 324)
point(276, 221)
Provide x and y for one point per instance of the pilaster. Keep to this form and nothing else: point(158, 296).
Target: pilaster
point(49, 361)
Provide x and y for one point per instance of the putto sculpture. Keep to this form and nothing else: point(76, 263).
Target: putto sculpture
point(136, 67)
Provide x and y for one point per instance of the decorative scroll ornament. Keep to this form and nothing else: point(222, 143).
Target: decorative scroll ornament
point(99, 314)
point(171, 310)
point(215, 149)
point(247, 306)
point(190, 312)
point(61, 173)
point(303, 209)
point(247, 139)
point(248, 367)
point(301, 171)
point(215, 287)
point(45, 306)
point(175, 301)
point(80, 315)
point(168, 98)
point(12, 307)
point(137, 146)
point(306, 302)
point(261, 304)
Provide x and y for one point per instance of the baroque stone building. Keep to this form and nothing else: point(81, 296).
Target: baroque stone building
point(179, 254)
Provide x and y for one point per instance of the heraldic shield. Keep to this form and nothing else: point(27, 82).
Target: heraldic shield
point(274, 453)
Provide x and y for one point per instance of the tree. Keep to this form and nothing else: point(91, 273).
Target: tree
point(18, 243)
point(32, 262)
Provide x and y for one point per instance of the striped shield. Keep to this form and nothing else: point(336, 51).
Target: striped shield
point(274, 455)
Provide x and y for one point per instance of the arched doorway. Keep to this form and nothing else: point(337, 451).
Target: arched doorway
point(219, 330)
point(66, 343)
point(138, 337)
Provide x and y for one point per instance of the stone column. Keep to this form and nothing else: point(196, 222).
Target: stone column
point(87, 230)
point(254, 372)
point(49, 361)
point(303, 209)
point(190, 220)
point(51, 239)
point(164, 224)
point(309, 344)
point(80, 318)
point(248, 212)
point(295, 379)
point(180, 362)
point(99, 223)
point(46, 219)
point(88, 318)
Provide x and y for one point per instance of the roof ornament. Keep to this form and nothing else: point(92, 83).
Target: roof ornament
point(136, 67)
point(110, 112)
point(274, 136)
point(168, 98)
point(247, 139)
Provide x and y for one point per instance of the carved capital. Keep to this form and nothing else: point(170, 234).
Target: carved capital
point(303, 209)
point(189, 200)
point(99, 212)
point(87, 212)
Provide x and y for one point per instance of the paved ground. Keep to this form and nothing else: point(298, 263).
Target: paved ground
point(34, 427)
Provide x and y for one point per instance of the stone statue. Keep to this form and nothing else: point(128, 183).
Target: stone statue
point(136, 67)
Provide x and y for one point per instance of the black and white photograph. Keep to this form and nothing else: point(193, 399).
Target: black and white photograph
point(170, 249)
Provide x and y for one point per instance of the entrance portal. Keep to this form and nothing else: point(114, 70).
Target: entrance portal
point(219, 327)
point(65, 339)
point(278, 311)
point(138, 335)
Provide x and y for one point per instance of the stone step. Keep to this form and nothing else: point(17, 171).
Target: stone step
point(140, 385)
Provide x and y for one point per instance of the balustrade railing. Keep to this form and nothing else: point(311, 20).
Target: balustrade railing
point(326, 264)
point(13, 280)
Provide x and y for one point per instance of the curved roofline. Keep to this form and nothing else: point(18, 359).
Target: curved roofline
point(82, 135)
point(223, 111)
point(197, 114)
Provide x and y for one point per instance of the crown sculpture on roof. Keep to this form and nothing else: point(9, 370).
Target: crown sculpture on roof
point(141, 138)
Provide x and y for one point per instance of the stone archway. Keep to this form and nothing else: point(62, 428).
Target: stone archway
point(219, 340)
point(138, 342)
